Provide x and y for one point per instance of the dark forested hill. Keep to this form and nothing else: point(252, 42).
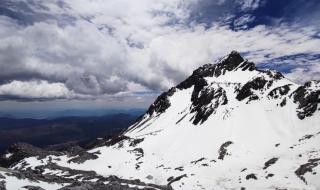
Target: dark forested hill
point(42, 132)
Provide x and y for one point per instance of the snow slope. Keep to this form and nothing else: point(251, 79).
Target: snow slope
point(228, 126)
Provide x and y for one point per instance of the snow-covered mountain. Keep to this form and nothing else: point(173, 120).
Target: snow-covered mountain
point(228, 126)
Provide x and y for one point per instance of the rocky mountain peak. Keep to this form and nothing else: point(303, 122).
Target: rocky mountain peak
point(231, 62)
point(211, 82)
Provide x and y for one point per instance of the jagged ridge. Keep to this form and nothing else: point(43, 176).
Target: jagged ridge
point(202, 94)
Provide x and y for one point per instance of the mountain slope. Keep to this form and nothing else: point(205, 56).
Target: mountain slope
point(228, 126)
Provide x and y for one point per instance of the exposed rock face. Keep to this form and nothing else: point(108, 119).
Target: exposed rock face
point(307, 168)
point(279, 91)
point(205, 103)
point(251, 176)
point(307, 98)
point(223, 150)
point(270, 162)
point(161, 103)
point(248, 89)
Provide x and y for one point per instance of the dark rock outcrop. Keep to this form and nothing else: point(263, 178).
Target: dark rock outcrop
point(247, 89)
point(306, 99)
point(175, 179)
point(161, 103)
point(232, 62)
point(279, 91)
point(20, 151)
point(115, 183)
point(307, 167)
point(270, 162)
point(223, 151)
point(251, 176)
point(196, 161)
point(207, 102)
point(83, 156)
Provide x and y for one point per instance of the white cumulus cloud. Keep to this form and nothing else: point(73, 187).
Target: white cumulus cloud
point(104, 48)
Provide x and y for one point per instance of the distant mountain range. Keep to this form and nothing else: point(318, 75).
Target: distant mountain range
point(51, 114)
point(78, 129)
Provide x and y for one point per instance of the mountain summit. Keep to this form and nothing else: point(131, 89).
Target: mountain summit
point(229, 125)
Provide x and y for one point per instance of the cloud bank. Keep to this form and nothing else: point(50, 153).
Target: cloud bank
point(79, 49)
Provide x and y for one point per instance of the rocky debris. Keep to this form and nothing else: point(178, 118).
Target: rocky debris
point(196, 161)
point(175, 179)
point(113, 180)
point(117, 184)
point(270, 162)
point(33, 188)
point(20, 151)
point(160, 166)
point(179, 168)
point(78, 153)
point(269, 175)
point(115, 139)
point(206, 102)
point(67, 175)
point(308, 167)
point(307, 99)
point(246, 91)
point(306, 137)
point(223, 150)
point(83, 156)
point(73, 178)
point(3, 185)
point(251, 176)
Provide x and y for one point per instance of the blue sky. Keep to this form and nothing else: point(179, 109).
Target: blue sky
point(122, 53)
